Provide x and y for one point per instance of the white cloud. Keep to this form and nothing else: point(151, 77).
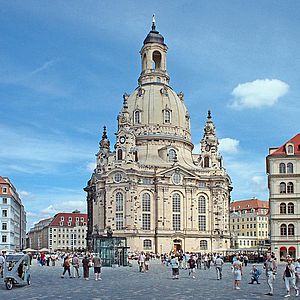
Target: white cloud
point(91, 166)
point(258, 93)
point(24, 194)
point(228, 145)
point(259, 183)
point(50, 210)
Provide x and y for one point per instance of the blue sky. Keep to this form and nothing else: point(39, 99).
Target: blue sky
point(64, 66)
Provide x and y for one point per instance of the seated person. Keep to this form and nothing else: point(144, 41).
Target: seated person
point(255, 273)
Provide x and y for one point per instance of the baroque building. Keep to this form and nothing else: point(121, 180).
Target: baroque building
point(152, 189)
point(283, 170)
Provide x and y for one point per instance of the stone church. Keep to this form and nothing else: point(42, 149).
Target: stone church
point(151, 188)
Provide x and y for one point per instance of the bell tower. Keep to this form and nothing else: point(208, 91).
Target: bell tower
point(153, 57)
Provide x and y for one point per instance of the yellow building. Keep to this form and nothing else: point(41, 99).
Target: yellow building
point(249, 223)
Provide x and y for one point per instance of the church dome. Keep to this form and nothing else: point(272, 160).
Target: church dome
point(157, 112)
point(154, 37)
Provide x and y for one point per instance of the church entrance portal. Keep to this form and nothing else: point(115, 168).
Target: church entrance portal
point(177, 245)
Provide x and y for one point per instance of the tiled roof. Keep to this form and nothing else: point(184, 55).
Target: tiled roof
point(62, 219)
point(294, 140)
point(246, 204)
point(2, 180)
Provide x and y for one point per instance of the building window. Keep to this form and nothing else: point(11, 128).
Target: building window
point(119, 221)
point(203, 245)
point(137, 117)
point(146, 202)
point(291, 230)
point(281, 168)
point(4, 200)
point(202, 184)
point(206, 162)
point(290, 149)
point(282, 208)
point(176, 178)
point(201, 205)
point(119, 201)
point(176, 203)
point(283, 230)
point(4, 190)
point(176, 221)
point(167, 116)
point(119, 154)
point(291, 208)
point(290, 188)
point(4, 226)
point(289, 168)
point(202, 222)
point(4, 213)
point(282, 188)
point(4, 238)
point(147, 244)
point(118, 177)
point(146, 222)
point(172, 155)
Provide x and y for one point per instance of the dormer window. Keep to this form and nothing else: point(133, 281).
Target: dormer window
point(167, 116)
point(137, 117)
point(172, 155)
point(290, 149)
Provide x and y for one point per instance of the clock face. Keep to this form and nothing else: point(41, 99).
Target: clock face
point(122, 139)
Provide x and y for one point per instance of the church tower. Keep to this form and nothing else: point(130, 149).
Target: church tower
point(152, 189)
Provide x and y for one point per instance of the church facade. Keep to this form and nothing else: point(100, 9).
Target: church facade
point(151, 188)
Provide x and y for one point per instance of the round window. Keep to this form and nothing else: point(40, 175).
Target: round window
point(176, 178)
point(118, 177)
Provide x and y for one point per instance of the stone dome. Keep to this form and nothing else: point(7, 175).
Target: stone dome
point(158, 112)
point(154, 37)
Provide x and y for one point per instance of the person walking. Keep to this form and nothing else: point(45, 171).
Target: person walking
point(255, 273)
point(297, 273)
point(289, 278)
point(75, 264)
point(192, 266)
point(175, 267)
point(237, 273)
point(2, 263)
point(66, 265)
point(219, 265)
point(270, 267)
point(141, 261)
point(97, 266)
point(86, 266)
point(147, 261)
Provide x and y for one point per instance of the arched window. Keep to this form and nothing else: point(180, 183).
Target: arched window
point(290, 149)
point(167, 116)
point(119, 211)
point(282, 188)
point(137, 117)
point(147, 244)
point(282, 208)
point(144, 62)
point(172, 155)
point(283, 230)
point(201, 205)
point(291, 230)
point(156, 57)
point(289, 168)
point(146, 202)
point(120, 154)
point(119, 201)
point(291, 208)
point(282, 168)
point(206, 162)
point(290, 188)
point(203, 245)
point(176, 211)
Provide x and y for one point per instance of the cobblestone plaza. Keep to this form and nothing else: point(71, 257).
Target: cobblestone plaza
point(128, 283)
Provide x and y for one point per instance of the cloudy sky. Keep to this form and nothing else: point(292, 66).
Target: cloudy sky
point(64, 66)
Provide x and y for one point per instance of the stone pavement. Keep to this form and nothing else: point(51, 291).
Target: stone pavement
point(128, 283)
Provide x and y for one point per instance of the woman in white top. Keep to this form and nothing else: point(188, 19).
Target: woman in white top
point(237, 273)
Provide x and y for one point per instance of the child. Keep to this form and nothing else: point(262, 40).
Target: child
point(255, 273)
point(175, 267)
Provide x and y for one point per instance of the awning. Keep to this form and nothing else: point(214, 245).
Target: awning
point(292, 248)
point(283, 249)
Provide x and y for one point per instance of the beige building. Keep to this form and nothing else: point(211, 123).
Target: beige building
point(152, 189)
point(249, 223)
point(283, 169)
point(65, 231)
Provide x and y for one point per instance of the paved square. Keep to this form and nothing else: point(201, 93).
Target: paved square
point(128, 283)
